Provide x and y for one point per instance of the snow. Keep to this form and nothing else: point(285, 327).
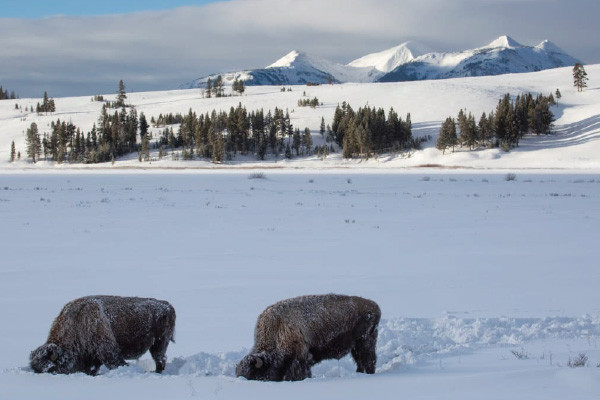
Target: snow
point(466, 267)
point(469, 268)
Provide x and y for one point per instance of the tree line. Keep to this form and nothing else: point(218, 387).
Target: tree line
point(217, 135)
point(504, 127)
point(4, 95)
point(221, 135)
point(368, 131)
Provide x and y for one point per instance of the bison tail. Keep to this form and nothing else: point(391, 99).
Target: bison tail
point(173, 337)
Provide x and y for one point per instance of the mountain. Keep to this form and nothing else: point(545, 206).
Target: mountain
point(388, 60)
point(502, 56)
point(407, 62)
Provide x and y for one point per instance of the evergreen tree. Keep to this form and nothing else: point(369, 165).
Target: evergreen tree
point(12, 151)
point(447, 136)
point(579, 77)
point(558, 95)
point(322, 127)
point(238, 86)
point(145, 152)
point(209, 88)
point(143, 126)
point(485, 129)
point(297, 141)
point(218, 87)
point(121, 95)
point(218, 148)
point(33, 142)
point(307, 141)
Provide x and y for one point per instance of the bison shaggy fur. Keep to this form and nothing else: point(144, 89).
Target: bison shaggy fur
point(294, 334)
point(105, 330)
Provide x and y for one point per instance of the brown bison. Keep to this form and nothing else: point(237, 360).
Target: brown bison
point(294, 334)
point(96, 330)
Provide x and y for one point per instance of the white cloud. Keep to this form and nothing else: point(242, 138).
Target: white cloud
point(155, 50)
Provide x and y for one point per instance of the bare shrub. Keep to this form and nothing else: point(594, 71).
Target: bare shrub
point(579, 361)
point(520, 354)
point(257, 175)
point(510, 177)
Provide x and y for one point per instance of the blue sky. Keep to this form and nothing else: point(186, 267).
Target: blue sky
point(45, 8)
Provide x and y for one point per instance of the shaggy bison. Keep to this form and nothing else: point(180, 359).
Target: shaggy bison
point(96, 330)
point(294, 334)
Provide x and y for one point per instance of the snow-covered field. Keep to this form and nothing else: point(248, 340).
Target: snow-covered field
point(467, 265)
point(575, 144)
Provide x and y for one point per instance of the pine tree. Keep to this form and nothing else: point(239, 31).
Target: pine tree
point(121, 95)
point(579, 77)
point(143, 126)
point(12, 151)
point(307, 141)
point(322, 128)
point(447, 136)
point(209, 88)
point(33, 142)
point(218, 86)
point(558, 95)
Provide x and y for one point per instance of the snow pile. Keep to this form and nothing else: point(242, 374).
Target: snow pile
point(407, 341)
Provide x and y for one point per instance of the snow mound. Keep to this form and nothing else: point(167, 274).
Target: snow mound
point(407, 341)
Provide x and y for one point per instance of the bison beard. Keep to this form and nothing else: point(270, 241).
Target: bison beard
point(294, 334)
point(105, 330)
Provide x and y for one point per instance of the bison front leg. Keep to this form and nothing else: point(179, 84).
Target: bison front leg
point(363, 353)
point(113, 360)
point(297, 370)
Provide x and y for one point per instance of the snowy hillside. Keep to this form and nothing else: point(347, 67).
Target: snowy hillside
point(407, 62)
point(575, 143)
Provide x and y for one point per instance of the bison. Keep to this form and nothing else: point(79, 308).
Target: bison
point(105, 330)
point(294, 334)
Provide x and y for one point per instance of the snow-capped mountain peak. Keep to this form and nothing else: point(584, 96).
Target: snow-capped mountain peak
point(288, 60)
point(408, 61)
point(388, 60)
point(548, 46)
point(505, 42)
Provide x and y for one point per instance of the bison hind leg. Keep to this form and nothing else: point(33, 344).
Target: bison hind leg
point(158, 352)
point(363, 353)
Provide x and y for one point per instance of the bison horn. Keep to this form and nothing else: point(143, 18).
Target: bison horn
point(53, 355)
point(258, 362)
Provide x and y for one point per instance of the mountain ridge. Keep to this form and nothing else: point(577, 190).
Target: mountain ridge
point(408, 61)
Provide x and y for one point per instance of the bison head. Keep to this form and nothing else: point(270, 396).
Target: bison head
point(258, 367)
point(50, 358)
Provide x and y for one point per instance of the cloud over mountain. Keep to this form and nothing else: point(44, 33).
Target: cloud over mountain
point(158, 50)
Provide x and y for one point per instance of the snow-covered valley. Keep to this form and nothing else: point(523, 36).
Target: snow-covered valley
point(467, 267)
point(484, 262)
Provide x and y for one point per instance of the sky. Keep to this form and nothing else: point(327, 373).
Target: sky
point(73, 48)
point(45, 8)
